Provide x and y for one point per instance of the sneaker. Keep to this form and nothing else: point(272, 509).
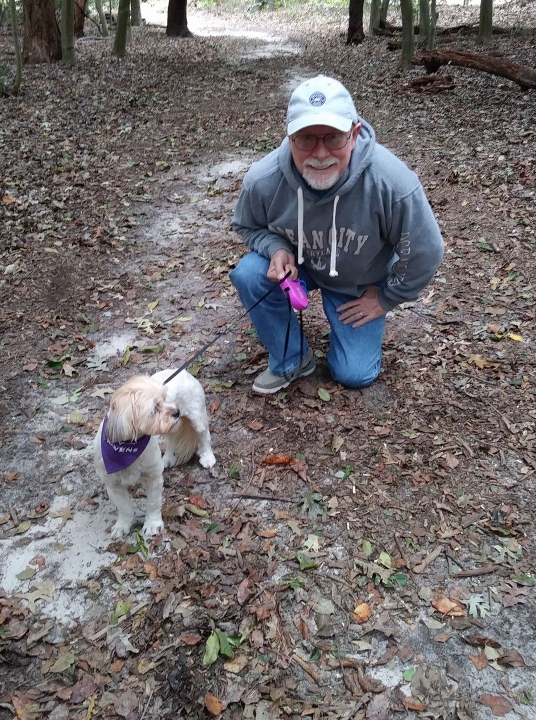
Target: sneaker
point(268, 383)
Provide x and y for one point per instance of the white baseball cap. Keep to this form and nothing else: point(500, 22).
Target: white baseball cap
point(321, 101)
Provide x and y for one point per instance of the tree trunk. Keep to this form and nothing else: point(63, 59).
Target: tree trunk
point(408, 40)
point(80, 10)
point(18, 56)
point(135, 13)
point(432, 60)
point(121, 31)
point(433, 23)
point(102, 18)
point(375, 12)
point(424, 22)
point(356, 34)
point(486, 21)
point(383, 12)
point(67, 32)
point(42, 42)
point(177, 23)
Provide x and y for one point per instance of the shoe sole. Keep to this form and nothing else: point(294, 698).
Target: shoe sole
point(272, 391)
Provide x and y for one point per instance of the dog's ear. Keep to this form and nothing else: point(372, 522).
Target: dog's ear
point(122, 424)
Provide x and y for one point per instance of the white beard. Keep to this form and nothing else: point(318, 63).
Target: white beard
point(312, 178)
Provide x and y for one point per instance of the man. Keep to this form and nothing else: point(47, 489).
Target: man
point(340, 212)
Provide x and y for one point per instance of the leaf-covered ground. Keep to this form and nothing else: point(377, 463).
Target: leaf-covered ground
point(384, 565)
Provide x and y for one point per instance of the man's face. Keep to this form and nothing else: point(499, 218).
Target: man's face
point(322, 166)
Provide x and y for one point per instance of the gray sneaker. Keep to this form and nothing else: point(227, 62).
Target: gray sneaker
point(268, 383)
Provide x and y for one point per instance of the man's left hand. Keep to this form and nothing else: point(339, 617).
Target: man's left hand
point(362, 310)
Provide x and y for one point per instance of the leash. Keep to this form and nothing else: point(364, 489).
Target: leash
point(205, 347)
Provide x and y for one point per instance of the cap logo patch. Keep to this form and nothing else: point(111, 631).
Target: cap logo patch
point(317, 99)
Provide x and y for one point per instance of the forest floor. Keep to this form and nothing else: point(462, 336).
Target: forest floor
point(387, 569)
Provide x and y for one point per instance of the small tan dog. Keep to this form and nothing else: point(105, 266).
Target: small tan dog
point(126, 448)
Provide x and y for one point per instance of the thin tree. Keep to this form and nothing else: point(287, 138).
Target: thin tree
point(485, 27)
point(177, 22)
point(121, 32)
point(18, 55)
point(383, 13)
point(67, 32)
point(135, 13)
point(42, 41)
point(356, 34)
point(375, 14)
point(80, 13)
point(430, 44)
point(424, 21)
point(408, 38)
point(102, 18)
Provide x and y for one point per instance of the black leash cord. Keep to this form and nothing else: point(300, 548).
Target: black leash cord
point(205, 347)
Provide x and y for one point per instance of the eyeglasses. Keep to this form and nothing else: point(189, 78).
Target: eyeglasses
point(332, 141)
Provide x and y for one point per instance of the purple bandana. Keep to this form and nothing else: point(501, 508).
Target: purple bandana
point(119, 456)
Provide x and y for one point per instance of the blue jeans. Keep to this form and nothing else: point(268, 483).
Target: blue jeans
point(354, 356)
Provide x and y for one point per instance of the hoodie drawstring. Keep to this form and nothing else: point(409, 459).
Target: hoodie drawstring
point(300, 226)
point(333, 259)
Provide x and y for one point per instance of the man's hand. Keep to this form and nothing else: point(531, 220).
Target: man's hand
point(280, 264)
point(362, 310)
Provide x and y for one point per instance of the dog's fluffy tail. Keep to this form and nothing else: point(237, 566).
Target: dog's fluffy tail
point(184, 442)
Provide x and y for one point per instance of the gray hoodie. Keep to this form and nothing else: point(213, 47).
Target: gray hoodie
point(384, 227)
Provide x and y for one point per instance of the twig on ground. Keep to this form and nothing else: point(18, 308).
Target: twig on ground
point(307, 668)
point(428, 560)
point(245, 496)
point(478, 571)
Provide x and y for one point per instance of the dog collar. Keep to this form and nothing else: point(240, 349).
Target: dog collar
point(119, 456)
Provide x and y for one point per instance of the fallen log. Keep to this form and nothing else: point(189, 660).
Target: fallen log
point(468, 29)
point(522, 75)
point(432, 83)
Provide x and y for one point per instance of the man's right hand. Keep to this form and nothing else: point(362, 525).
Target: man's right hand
point(281, 263)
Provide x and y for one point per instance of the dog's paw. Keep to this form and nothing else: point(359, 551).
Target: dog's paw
point(169, 459)
point(120, 529)
point(207, 459)
point(152, 526)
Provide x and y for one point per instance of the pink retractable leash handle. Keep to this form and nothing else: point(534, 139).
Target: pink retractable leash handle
point(296, 292)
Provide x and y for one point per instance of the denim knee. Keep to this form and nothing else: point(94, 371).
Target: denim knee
point(246, 273)
point(352, 377)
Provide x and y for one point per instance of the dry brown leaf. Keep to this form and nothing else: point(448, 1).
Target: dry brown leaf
point(480, 641)
point(480, 661)
point(213, 705)
point(20, 705)
point(414, 704)
point(369, 684)
point(245, 590)
point(442, 637)
point(499, 705)
point(66, 513)
point(151, 570)
point(387, 655)
point(268, 533)
point(448, 607)
point(362, 612)
point(278, 459)
point(190, 639)
point(255, 425)
point(512, 658)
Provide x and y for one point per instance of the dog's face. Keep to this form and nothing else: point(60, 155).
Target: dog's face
point(139, 408)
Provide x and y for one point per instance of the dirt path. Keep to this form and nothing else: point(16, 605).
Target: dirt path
point(117, 250)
